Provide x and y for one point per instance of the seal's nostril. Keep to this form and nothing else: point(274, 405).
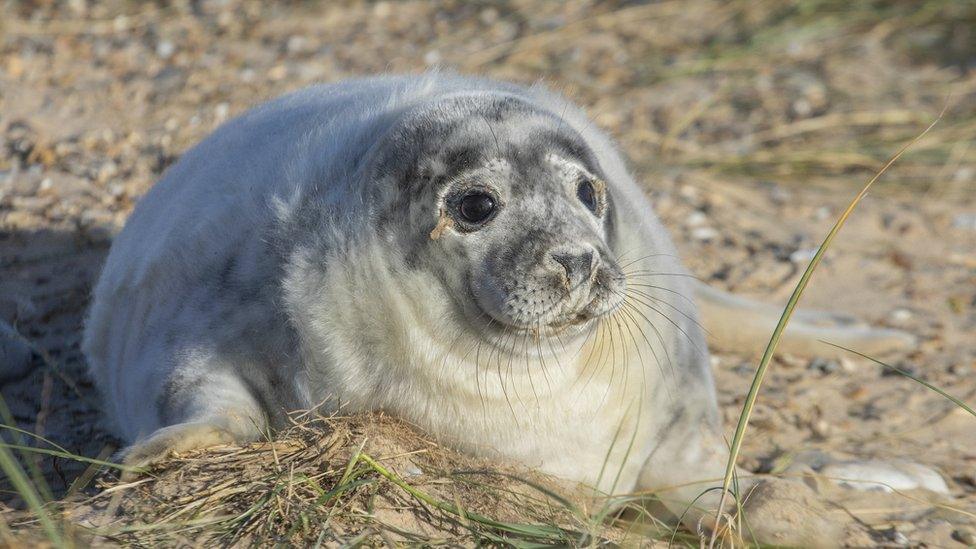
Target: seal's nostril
point(578, 266)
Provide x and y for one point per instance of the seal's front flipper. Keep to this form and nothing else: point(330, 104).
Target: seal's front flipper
point(743, 325)
point(182, 437)
point(174, 439)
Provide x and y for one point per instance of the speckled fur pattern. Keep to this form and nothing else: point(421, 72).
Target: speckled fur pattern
point(289, 261)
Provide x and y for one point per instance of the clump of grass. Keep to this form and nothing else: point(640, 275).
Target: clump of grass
point(337, 480)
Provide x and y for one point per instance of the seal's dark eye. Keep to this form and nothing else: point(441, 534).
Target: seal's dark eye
point(587, 194)
point(476, 207)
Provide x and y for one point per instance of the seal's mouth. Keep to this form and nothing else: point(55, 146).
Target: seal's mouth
point(583, 316)
point(546, 324)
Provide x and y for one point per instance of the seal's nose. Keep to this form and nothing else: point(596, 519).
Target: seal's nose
point(578, 263)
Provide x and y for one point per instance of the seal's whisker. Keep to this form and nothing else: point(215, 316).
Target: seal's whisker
point(677, 326)
point(665, 302)
point(512, 356)
point(450, 347)
point(657, 332)
point(592, 329)
point(630, 312)
point(496, 350)
point(666, 289)
point(528, 366)
point(620, 257)
point(647, 273)
point(498, 148)
point(477, 379)
point(613, 358)
point(613, 362)
point(648, 256)
point(606, 340)
point(628, 319)
point(557, 335)
point(581, 368)
point(597, 347)
point(542, 358)
point(648, 303)
point(562, 117)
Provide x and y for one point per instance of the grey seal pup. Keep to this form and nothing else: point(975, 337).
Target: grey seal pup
point(469, 255)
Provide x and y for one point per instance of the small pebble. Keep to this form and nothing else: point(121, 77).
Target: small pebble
point(824, 366)
point(221, 111)
point(894, 536)
point(779, 195)
point(901, 316)
point(696, 218)
point(295, 44)
point(802, 108)
point(961, 370)
point(821, 429)
point(704, 233)
point(488, 16)
point(120, 23)
point(689, 192)
point(966, 221)
point(744, 369)
point(964, 173)
point(165, 49)
point(107, 171)
point(964, 536)
point(803, 256)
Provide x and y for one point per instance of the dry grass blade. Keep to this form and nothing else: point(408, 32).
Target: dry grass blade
point(757, 380)
point(916, 379)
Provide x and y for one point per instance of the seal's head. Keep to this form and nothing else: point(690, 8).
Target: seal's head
point(507, 207)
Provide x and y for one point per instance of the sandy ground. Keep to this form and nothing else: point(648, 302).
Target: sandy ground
point(752, 125)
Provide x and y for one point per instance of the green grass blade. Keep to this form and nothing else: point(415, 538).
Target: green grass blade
point(34, 436)
point(35, 473)
point(26, 490)
point(69, 455)
point(757, 380)
point(951, 398)
point(548, 533)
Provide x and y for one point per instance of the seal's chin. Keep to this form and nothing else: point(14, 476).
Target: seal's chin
point(501, 318)
point(570, 322)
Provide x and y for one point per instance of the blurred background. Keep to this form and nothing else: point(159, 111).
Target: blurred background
point(750, 123)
